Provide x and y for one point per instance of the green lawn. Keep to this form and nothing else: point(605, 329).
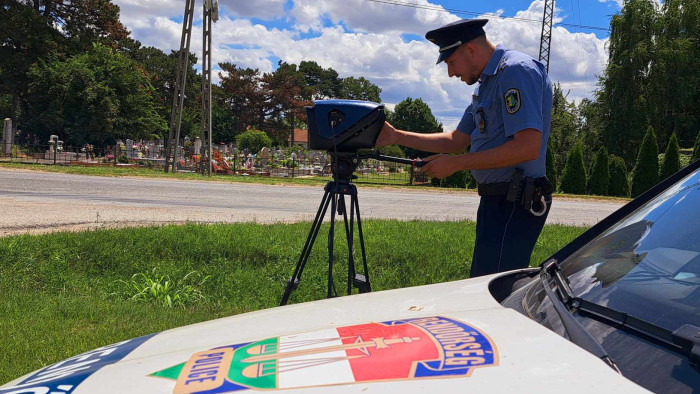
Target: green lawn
point(66, 293)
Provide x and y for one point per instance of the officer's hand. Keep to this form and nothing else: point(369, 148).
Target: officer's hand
point(440, 166)
point(387, 136)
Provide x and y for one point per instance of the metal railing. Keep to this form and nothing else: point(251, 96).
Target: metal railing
point(316, 165)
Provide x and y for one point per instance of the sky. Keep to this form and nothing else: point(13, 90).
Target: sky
point(383, 40)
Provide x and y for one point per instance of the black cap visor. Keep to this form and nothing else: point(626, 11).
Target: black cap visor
point(444, 55)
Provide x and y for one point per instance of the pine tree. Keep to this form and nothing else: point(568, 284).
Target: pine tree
point(646, 171)
point(551, 164)
point(600, 175)
point(573, 180)
point(696, 148)
point(672, 160)
point(619, 186)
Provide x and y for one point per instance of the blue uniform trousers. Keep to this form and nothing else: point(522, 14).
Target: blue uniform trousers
point(506, 234)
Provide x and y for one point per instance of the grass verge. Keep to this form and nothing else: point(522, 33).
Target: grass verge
point(66, 293)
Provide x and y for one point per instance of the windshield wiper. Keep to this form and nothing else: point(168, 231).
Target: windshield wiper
point(685, 340)
point(574, 329)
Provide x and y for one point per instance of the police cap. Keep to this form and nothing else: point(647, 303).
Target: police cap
point(451, 36)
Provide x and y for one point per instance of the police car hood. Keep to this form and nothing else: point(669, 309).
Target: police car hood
point(447, 337)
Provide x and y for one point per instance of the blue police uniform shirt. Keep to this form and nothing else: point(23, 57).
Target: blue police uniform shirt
point(514, 93)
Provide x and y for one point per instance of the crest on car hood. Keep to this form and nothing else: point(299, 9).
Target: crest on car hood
point(421, 348)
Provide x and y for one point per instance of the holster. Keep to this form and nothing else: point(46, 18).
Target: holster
point(532, 193)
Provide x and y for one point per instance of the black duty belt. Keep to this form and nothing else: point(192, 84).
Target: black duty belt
point(532, 193)
point(493, 189)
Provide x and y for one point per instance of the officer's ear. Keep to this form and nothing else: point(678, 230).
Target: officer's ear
point(471, 48)
point(475, 46)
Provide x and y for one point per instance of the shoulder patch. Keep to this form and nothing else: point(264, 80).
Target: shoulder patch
point(512, 100)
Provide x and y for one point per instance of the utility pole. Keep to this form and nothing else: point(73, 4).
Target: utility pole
point(210, 14)
point(546, 37)
point(171, 146)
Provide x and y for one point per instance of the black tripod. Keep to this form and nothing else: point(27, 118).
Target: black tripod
point(342, 165)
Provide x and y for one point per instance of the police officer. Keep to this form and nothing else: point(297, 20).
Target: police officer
point(507, 127)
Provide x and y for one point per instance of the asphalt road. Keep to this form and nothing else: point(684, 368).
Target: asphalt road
point(33, 202)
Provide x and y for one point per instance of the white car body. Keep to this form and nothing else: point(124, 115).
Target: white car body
point(449, 337)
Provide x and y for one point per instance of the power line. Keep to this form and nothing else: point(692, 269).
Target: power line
point(474, 13)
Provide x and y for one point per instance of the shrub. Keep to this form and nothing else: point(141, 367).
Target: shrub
point(600, 175)
point(551, 164)
point(618, 186)
point(646, 170)
point(253, 140)
point(391, 150)
point(696, 148)
point(573, 179)
point(459, 180)
point(123, 159)
point(672, 160)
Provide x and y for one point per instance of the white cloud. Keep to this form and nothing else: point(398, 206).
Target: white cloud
point(619, 3)
point(369, 16)
point(262, 9)
point(362, 38)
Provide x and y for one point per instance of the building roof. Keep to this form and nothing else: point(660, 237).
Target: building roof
point(301, 136)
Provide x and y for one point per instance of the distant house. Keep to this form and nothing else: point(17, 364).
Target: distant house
point(301, 138)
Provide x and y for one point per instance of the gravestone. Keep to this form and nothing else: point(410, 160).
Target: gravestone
point(7, 136)
point(197, 145)
point(129, 148)
point(264, 155)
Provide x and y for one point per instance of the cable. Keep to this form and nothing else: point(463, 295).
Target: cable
point(482, 14)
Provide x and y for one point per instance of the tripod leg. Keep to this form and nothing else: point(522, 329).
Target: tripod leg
point(349, 238)
point(331, 235)
point(293, 281)
point(364, 287)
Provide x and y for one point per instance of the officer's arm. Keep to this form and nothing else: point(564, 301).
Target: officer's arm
point(451, 142)
point(524, 146)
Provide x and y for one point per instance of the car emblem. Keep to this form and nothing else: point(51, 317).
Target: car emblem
point(422, 348)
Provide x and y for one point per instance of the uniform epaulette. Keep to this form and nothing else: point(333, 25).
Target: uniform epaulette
point(502, 64)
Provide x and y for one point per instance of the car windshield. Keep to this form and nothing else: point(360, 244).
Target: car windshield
point(647, 265)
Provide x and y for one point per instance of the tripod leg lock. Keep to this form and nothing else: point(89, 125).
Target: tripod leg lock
point(292, 284)
point(360, 282)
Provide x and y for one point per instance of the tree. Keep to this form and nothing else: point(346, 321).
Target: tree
point(283, 101)
point(550, 164)
point(161, 70)
point(321, 83)
point(359, 89)
point(646, 172)
point(672, 105)
point(84, 22)
point(623, 92)
point(573, 179)
point(599, 180)
point(92, 98)
point(696, 148)
point(240, 94)
point(416, 116)
point(253, 140)
point(564, 130)
point(619, 185)
point(672, 160)
point(25, 37)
